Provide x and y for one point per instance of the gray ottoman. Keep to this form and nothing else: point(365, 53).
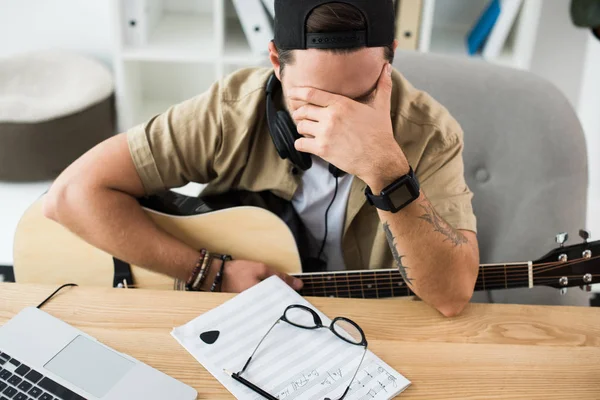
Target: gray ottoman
point(54, 106)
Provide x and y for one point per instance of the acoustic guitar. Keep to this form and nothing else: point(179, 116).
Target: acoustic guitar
point(45, 252)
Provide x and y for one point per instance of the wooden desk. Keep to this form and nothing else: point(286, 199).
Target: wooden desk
point(489, 352)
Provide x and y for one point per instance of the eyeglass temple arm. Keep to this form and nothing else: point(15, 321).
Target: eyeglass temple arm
point(258, 345)
point(354, 377)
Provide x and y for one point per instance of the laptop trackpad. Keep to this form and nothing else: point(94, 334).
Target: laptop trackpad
point(89, 366)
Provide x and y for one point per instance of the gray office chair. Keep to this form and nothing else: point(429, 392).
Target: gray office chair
point(525, 159)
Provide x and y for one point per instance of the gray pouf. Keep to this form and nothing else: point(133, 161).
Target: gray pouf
point(54, 106)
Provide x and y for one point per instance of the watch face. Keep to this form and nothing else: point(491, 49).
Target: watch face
point(400, 196)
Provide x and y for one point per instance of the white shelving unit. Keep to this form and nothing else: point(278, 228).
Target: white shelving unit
point(192, 43)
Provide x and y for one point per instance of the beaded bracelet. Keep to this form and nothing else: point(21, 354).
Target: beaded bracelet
point(196, 271)
point(219, 276)
point(206, 265)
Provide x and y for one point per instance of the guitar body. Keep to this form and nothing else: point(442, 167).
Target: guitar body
point(47, 253)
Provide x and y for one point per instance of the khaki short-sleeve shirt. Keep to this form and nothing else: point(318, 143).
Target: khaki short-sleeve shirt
point(221, 138)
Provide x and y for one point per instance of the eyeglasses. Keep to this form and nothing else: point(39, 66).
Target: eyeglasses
point(306, 318)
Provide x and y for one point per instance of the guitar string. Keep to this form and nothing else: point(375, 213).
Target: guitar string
point(362, 276)
point(499, 283)
point(396, 283)
point(490, 280)
point(372, 275)
point(391, 288)
point(573, 262)
point(394, 287)
point(496, 274)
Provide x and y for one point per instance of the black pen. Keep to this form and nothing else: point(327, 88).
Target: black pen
point(250, 385)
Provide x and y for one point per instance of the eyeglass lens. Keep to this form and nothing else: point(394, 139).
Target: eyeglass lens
point(348, 331)
point(301, 317)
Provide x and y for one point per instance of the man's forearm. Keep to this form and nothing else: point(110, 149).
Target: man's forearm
point(437, 262)
point(114, 222)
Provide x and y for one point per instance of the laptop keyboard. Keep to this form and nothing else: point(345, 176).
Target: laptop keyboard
point(19, 382)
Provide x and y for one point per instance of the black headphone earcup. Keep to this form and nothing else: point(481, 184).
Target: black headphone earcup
point(276, 129)
point(288, 134)
point(283, 130)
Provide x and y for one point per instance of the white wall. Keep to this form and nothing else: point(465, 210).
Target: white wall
point(589, 113)
point(560, 49)
point(569, 57)
point(80, 25)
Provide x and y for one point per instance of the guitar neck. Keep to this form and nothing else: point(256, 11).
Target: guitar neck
point(375, 284)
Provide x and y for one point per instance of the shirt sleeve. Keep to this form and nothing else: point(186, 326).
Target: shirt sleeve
point(441, 175)
point(178, 146)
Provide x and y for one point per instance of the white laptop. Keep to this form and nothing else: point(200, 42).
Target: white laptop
point(44, 358)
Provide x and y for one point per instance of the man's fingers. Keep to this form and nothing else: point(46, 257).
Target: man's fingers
point(295, 283)
point(309, 111)
point(308, 127)
point(313, 96)
point(383, 97)
point(307, 145)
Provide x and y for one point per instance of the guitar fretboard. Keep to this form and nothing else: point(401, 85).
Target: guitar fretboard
point(377, 284)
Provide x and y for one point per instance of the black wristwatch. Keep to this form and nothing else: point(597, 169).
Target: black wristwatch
point(396, 196)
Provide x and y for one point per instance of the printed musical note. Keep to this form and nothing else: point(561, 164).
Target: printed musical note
point(332, 377)
point(298, 383)
point(377, 378)
point(390, 377)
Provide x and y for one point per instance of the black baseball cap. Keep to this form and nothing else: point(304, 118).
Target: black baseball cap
point(291, 17)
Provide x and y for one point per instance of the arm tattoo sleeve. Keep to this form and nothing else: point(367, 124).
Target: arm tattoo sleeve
point(441, 226)
point(392, 241)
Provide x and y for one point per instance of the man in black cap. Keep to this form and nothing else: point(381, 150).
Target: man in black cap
point(372, 166)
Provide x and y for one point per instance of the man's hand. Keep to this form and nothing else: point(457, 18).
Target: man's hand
point(357, 138)
point(240, 275)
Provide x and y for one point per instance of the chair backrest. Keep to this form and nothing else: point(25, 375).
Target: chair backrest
point(525, 152)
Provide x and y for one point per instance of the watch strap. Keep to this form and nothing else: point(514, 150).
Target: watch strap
point(382, 202)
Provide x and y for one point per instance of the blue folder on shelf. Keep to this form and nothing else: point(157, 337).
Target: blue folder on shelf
point(482, 29)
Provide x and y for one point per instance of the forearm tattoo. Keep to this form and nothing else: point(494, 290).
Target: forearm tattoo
point(392, 241)
point(441, 226)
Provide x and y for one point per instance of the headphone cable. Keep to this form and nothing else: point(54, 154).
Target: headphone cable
point(326, 219)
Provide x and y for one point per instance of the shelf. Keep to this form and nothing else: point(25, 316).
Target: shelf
point(151, 87)
point(178, 37)
point(452, 41)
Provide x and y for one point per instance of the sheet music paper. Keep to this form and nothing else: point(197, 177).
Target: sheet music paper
point(292, 363)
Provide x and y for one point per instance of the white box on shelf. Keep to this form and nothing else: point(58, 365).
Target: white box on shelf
point(140, 17)
point(255, 23)
point(176, 30)
point(236, 47)
point(509, 10)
